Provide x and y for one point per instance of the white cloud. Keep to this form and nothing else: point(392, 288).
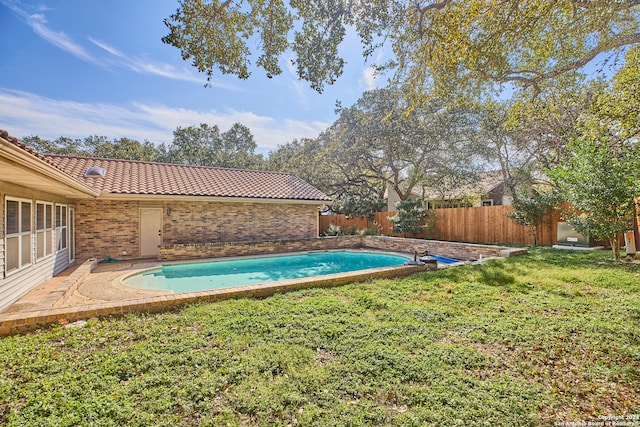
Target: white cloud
point(139, 65)
point(107, 56)
point(37, 21)
point(58, 38)
point(298, 86)
point(369, 78)
point(23, 114)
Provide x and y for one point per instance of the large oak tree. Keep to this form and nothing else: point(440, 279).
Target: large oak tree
point(466, 47)
point(379, 143)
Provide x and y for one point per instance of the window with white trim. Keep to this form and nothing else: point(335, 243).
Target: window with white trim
point(44, 229)
point(61, 227)
point(18, 250)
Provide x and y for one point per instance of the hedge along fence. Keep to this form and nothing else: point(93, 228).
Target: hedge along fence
point(486, 224)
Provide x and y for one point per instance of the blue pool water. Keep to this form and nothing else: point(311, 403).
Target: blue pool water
point(224, 274)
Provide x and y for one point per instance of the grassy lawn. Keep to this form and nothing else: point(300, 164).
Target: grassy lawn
point(553, 336)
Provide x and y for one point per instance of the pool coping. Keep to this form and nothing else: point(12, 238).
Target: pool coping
point(53, 310)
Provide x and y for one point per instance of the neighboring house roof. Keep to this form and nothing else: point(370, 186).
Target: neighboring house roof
point(162, 179)
point(486, 182)
point(134, 177)
point(449, 190)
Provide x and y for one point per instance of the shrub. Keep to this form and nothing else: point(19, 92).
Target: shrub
point(410, 217)
point(349, 230)
point(530, 208)
point(371, 231)
point(333, 230)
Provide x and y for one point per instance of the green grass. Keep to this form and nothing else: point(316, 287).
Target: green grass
point(552, 336)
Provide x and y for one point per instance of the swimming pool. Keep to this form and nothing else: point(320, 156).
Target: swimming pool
point(193, 277)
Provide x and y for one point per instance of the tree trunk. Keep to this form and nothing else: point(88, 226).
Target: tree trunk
point(615, 247)
point(636, 229)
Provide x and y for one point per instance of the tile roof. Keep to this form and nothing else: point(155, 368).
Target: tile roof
point(483, 183)
point(15, 141)
point(134, 177)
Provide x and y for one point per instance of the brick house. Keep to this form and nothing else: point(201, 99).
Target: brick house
point(57, 208)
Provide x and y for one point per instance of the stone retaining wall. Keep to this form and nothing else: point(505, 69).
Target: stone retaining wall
point(266, 247)
point(461, 251)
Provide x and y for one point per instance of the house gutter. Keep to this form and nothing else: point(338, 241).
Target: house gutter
point(180, 198)
point(21, 157)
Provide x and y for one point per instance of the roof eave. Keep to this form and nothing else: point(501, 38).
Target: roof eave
point(195, 198)
point(26, 160)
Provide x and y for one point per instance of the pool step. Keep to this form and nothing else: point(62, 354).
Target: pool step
point(161, 282)
point(148, 281)
point(152, 281)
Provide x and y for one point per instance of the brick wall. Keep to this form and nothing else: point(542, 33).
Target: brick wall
point(204, 222)
point(111, 228)
point(107, 228)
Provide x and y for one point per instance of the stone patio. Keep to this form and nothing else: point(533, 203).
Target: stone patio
point(100, 286)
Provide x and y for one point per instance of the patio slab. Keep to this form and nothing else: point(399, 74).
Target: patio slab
point(36, 297)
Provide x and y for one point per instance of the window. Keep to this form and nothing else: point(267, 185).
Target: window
point(61, 227)
point(44, 229)
point(487, 202)
point(18, 234)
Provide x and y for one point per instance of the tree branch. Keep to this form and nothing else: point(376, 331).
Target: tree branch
point(211, 16)
point(532, 78)
point(423, 10)
point(604, 46)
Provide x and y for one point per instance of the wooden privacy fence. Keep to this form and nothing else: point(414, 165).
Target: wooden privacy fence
point(486, 224)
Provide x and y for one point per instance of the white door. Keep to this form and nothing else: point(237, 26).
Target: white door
point(150, 231)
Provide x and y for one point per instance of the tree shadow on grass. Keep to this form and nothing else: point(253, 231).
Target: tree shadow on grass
point(494, 273)
point(496, 276)
point(504, 276)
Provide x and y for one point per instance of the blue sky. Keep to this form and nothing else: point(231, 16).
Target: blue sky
point(95, 67)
